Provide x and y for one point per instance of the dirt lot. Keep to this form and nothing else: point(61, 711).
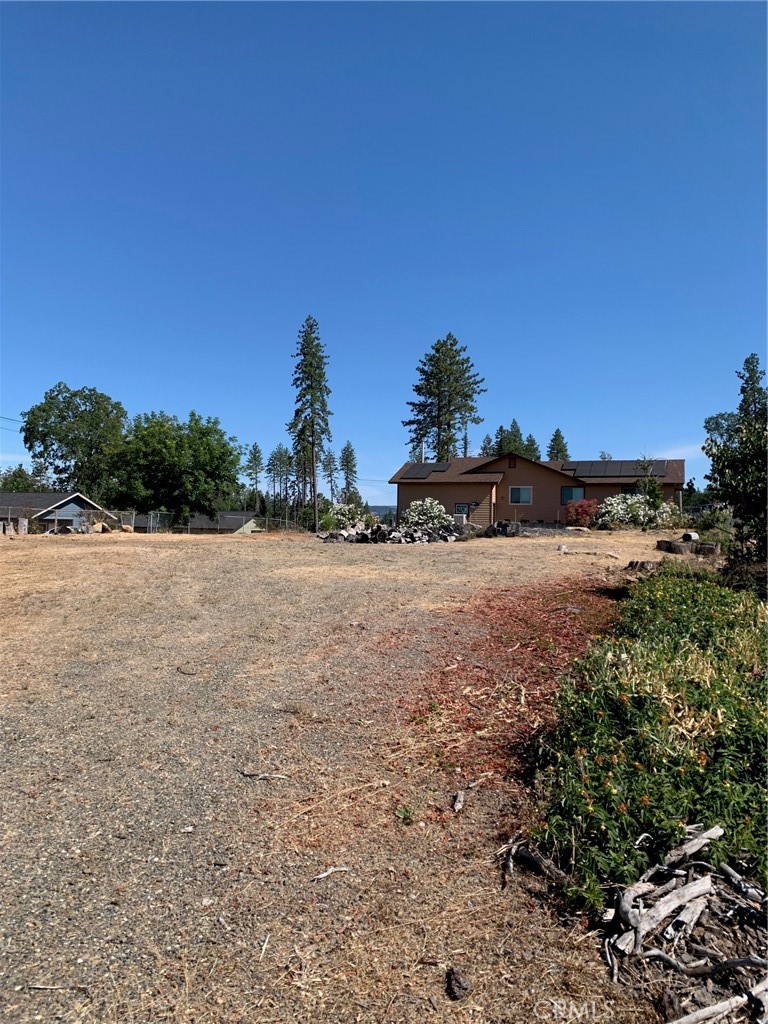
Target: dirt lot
point(195, 729)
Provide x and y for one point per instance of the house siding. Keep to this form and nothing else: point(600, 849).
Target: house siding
point(545, 484)
point(448, 495)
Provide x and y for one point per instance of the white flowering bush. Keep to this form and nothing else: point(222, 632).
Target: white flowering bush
point(426, 513)
point(636, 510)
point(345, 516)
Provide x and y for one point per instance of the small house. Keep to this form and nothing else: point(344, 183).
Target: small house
point(51, 510)
point(513, 487)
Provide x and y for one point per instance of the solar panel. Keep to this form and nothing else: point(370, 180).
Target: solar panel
point(421, 470)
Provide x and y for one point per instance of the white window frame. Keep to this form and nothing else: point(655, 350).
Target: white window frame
point(524, 488)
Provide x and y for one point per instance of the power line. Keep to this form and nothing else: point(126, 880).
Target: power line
point(11, 419)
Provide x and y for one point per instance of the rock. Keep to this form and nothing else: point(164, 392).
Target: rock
point(456, 984)
point(578, 529)
point(563, 549)
point(126, 528)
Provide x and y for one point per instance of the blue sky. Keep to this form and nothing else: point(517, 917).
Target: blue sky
point(576, 191)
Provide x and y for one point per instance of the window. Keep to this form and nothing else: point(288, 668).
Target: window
point(520, 495)
point(571, 494)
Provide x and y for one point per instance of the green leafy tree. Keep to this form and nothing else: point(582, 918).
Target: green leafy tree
point(76, 437)
point(447, 389)
point(348, 470)
point(253, 468)
point(736, 447)
point(180, 467)
point(648, 484)
point(309, 427)
point(605, 456)
point(557, 450)
point(17, 479)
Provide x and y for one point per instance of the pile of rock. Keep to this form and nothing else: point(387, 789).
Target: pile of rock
point(383, 534)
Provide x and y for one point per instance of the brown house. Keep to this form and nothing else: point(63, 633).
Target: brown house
point(520, 489)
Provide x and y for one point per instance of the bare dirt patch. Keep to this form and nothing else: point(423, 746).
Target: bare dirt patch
point(195, 730)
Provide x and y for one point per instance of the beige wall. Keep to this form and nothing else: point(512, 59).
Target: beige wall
point(546, 494)
point(448, 495)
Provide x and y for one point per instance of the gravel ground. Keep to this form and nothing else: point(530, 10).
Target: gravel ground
point(194, 729)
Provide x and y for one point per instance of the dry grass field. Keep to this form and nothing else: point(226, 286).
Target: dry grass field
point(195, 730)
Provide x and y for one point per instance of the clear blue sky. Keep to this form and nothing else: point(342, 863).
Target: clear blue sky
point(576, 191)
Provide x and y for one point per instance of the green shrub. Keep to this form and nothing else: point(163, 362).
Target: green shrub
point(663, 726)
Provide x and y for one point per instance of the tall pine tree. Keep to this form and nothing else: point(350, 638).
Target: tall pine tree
point(309, 427)
point(557, 449)
point(447, 391)
point(531, 448)
point(254, 467)
point(348, 469)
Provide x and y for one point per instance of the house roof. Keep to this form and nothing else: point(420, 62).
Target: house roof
point(16, 503)
point(453, 472)
point(614, 471)
point(462, 471)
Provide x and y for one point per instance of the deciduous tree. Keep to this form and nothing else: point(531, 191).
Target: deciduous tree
point(181, 467)
point(76, 437)
point(447, 390)
point(17, 479)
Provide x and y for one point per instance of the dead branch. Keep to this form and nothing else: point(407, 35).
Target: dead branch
point(721, 1009)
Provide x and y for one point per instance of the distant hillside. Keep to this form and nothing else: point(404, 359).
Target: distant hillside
point(381, 510)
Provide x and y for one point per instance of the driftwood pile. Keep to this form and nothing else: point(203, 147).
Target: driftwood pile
point(692, 935)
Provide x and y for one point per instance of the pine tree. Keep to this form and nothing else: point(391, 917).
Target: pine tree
point(348, 469)
point(515, 439)
point(501, 442)
point(279, 469)
point(309, 427)
point(736, 448)
point(486, 448)
point(531, 448)
point(557, 450)
point(330, 469)
point(253, 468)
point(447, 391)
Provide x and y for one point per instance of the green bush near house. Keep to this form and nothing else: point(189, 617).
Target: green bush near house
point(661, 726)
